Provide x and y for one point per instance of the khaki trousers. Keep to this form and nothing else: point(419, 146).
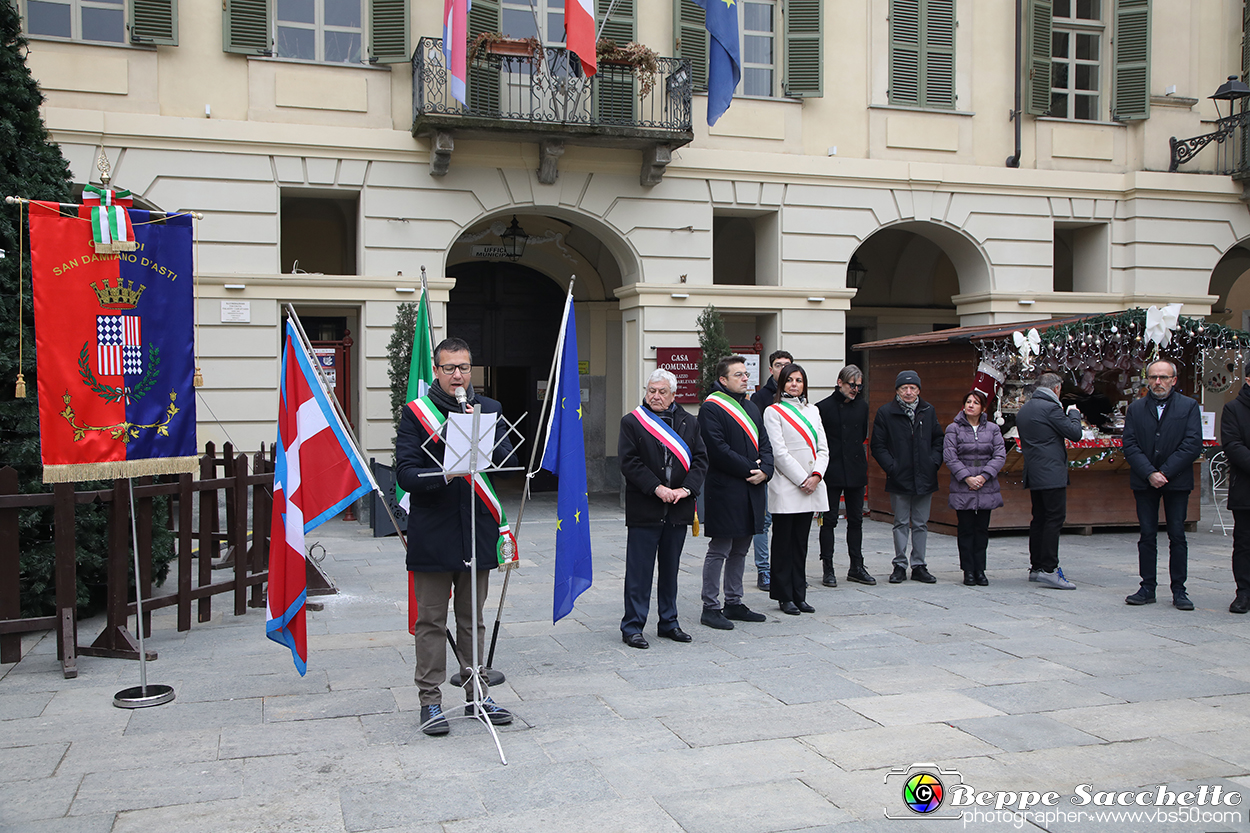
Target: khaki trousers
point(432, 591)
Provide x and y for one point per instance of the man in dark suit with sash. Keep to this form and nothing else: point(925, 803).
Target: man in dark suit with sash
point(440, 544)
point(740, 461)
point(664, 462)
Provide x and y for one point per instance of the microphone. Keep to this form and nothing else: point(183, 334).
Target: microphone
point(462, 398)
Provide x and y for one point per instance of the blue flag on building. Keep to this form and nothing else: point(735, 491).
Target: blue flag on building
point(565, 457)
point(724, 68)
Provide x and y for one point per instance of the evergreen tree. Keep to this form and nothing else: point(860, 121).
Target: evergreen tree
point(715, 345)
point(31, 166)
point(399, 355)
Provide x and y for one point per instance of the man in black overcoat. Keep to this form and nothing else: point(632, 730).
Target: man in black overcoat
point(663, 474)
point(740, 461)
point(844, 415)
point(1235, 440)
point(1043, 426)
point(1162, 438)
point(439, 548)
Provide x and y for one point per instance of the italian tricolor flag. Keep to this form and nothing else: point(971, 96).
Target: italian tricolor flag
point(579, 27)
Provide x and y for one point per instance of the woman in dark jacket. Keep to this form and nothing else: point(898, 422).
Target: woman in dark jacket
point(974, 452)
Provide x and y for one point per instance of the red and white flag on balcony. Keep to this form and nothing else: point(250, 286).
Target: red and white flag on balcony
point(579, 27)
point(456, 45)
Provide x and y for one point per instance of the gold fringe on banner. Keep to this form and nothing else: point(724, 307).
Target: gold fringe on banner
point(116, 469)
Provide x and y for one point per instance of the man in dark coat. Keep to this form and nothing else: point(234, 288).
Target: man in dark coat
point(1162, 438)
point(664, 462)
point(907, 444)
point(740, 461)
point(844, 415)
point(439, 548)
point(1043, 426)
point(1235, 440)
point(765, 396)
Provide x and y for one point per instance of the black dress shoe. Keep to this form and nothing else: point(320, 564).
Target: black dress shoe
point(970, 580)
point(805, 607)
point(676, 634)
point(898, 576)
point(1241, 604)
point(860, 575)
point(1181, 601)
point(982, 581)
point(922, 574)
point(830, 577)
point(1141, 597)
point(635, 640)
point(790, 608)
point(714, 618)
point(743, 613)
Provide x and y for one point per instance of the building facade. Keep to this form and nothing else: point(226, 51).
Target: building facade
point(972, 161)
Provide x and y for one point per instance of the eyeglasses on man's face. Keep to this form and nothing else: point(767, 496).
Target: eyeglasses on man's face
point(740, 375)
point(449, 369)
point(1159, 378)
point(855, 385)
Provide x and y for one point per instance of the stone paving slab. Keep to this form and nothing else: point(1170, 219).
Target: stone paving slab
point(790, 724)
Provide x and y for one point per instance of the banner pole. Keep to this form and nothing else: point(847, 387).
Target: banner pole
point(144, 695)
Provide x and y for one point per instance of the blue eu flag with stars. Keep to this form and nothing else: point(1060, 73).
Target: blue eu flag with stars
point(565, 457)
point(724, 69)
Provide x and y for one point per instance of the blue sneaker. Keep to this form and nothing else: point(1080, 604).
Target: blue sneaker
point(499, 716)
point(432, 720)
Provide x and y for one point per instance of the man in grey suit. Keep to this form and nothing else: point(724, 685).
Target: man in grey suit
point(1043, 426)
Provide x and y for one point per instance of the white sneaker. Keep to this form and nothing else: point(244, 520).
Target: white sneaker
point(1055, 580)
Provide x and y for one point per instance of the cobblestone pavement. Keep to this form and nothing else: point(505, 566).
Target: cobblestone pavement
point(792, 724)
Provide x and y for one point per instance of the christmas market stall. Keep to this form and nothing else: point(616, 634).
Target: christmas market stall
point(1101, 359)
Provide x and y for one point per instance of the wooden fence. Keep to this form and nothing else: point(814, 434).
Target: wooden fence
point(199, 542)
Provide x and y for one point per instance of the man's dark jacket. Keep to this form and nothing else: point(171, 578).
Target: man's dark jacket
point(909, 453)
point(846, 427)
point(643, 460)
point(1235, 440)
point(438, 517)
point(1043, 426)
point(1169, 445)
point(734, 507)
point(765, 396)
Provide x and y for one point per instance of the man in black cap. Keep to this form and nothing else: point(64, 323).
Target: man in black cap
point(907, 444)
point(1235, 438)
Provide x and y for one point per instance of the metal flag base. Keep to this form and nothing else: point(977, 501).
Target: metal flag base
point(140, 697)
point(494, 677)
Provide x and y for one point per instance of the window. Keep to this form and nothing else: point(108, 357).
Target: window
point(796, 55)
point(98, 21)
point(520, 19)
point(922, 53)
point(1076, 52)
point(1088, 59)
point(330, 31)
point(318, 232)
point(318, 30)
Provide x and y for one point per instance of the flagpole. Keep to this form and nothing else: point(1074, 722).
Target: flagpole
point(429, 319)
point(599, 34)
point(529, 471)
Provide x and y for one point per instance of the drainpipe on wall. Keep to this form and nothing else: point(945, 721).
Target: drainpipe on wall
point(1014, 160)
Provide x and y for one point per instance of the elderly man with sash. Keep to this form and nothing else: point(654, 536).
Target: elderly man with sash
point(441, 546)
point(740, 461)
point(663, 461)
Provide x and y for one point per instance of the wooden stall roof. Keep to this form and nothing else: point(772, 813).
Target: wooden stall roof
point(964, 335)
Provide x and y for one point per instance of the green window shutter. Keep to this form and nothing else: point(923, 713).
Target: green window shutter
point(616, 93)
point(905, 52)
point(1132, 60)
point(484, 79)
point(154, 21)
point(388, 31)
point(691, 40)
point(804, 49)
point(1037, 57)
point(245, 27)
point(937, 65)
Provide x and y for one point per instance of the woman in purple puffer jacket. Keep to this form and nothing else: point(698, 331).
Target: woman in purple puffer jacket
point(974, 452)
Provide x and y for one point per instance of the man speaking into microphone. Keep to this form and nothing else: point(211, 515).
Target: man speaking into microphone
point(439, 548)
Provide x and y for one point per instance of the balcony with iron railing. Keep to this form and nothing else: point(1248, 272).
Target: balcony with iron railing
point(542, 96)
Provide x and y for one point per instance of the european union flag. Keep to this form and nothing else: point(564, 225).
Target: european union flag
point(565, 457)
point(724, 69)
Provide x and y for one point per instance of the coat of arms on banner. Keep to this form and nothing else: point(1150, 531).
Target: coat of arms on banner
point(114, 334)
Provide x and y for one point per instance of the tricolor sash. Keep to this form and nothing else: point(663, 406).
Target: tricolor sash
point(111, 229)
point(793, 415)
point(664, 435)
point(432, 419)
point(739, 415)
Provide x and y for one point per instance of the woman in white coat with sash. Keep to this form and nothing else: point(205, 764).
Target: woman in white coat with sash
point(797, 488)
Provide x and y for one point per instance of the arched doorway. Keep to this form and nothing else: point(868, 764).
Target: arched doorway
point(510, 316)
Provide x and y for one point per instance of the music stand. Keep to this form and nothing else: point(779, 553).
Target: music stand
point(466, 429)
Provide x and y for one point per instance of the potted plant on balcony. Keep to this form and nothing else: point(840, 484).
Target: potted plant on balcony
point(494, 43)
point(641, 59)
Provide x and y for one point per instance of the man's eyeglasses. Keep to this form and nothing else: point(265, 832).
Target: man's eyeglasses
point(742, 375)
point(855, 385)
point(1158, 378)
point(449, 369)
